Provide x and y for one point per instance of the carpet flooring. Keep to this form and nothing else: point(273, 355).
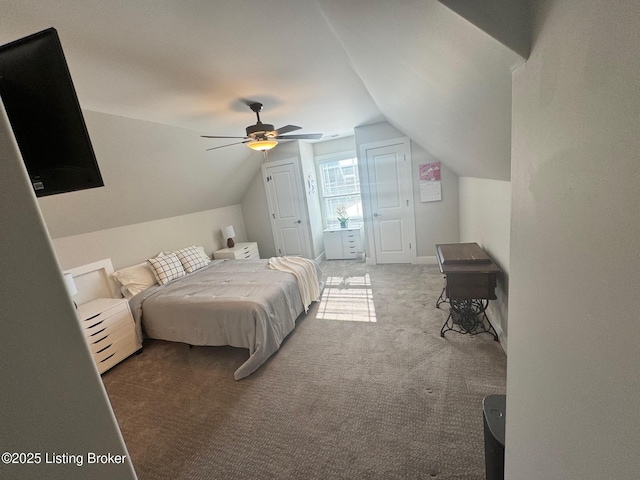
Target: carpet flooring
point(363, 388)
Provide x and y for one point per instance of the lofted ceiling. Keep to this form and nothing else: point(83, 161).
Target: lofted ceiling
point(326, 65)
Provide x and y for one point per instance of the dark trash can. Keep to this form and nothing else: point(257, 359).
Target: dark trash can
point(494, 412)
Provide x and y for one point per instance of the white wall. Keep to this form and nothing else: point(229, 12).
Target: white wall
point(485, 218)
point(574, 343)
point(312, 198)
point(52, 400)
point(133, 244)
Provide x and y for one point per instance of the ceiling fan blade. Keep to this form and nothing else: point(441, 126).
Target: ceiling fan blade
point(303, 136)
point(227, 145)
point(287, 129)
point(218, 136)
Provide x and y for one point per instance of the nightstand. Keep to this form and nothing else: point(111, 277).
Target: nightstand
point(109, 330)
point(240, 251)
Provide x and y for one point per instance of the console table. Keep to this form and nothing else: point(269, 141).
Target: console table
point(470, 282)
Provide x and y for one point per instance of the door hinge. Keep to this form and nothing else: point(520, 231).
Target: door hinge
point(269, 178)
point(273, 215)
point(409, 245)
point(407, 203)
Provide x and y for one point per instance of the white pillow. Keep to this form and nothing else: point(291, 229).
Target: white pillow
point(135, 279)
point(166, 268)
point(191, 259)
point(203, 254)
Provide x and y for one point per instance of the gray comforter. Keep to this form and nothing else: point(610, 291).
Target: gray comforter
point(241, 303)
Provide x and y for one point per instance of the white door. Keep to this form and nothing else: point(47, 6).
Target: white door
point(391, 202)
point(285, 197)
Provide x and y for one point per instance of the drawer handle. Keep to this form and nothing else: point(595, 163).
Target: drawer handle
point(103, 349)
point(246, 248)
point(91, 318)
point(98, 341)
point(104, 360)
point(98, 332)
point(95, 324)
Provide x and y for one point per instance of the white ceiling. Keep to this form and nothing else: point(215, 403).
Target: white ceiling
point(327, 65)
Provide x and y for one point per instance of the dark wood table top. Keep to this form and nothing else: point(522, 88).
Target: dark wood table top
point(464, 258)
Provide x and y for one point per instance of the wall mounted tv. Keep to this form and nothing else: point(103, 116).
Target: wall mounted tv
point(43, 109)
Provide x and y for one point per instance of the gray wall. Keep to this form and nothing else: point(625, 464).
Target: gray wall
point(254, 203)
point(52, 396)
point(508, 21)
point(342, 144)
point(574, 341)
point(485, 218)
point(256, 217)
point(132, 244)
point(150, 172)
point(436, 222)
point(312, 199)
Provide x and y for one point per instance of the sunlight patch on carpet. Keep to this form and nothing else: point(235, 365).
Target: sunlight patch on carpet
point(347, 299)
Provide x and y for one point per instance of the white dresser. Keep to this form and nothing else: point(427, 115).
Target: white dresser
point(343, 243)
point(109, 330)
point(240, 251)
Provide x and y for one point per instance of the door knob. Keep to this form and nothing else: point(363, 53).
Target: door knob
point(299, 221)
point(377, 214)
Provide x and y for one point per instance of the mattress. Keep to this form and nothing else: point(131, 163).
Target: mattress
point(241, 303)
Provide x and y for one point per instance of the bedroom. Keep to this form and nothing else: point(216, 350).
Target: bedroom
point(528, 250)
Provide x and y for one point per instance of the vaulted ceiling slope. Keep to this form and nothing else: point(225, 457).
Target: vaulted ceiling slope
point(434, 76)
point(327, 65)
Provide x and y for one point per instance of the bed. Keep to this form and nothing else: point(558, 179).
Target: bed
point(250, 304)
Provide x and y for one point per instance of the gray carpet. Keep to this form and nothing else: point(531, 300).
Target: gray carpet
point(363, 388)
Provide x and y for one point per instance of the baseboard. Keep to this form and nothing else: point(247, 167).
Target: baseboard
point(431, 260)
point(502, 338)
point(418, 261)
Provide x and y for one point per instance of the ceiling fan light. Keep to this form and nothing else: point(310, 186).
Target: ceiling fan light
point(262, 145)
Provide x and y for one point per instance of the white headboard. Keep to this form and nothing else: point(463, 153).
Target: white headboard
point(94, 281)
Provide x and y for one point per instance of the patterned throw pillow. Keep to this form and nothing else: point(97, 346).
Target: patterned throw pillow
point(191, 259)
point(166, 268)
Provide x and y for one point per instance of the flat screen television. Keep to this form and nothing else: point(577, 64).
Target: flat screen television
point(45, 116)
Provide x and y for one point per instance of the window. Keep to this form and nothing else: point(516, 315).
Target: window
point(340, 185)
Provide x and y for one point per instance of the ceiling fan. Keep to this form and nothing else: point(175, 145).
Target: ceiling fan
point(262, 136)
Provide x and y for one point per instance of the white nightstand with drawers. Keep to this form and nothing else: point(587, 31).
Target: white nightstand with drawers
point(343, 243)
point(109, 330)
point(240, 251)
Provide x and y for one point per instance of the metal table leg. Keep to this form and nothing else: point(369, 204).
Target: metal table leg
point(468, 316)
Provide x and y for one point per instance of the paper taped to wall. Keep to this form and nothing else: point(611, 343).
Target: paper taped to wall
point(430, 191)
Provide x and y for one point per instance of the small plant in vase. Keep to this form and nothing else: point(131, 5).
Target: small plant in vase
point(343, 218)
